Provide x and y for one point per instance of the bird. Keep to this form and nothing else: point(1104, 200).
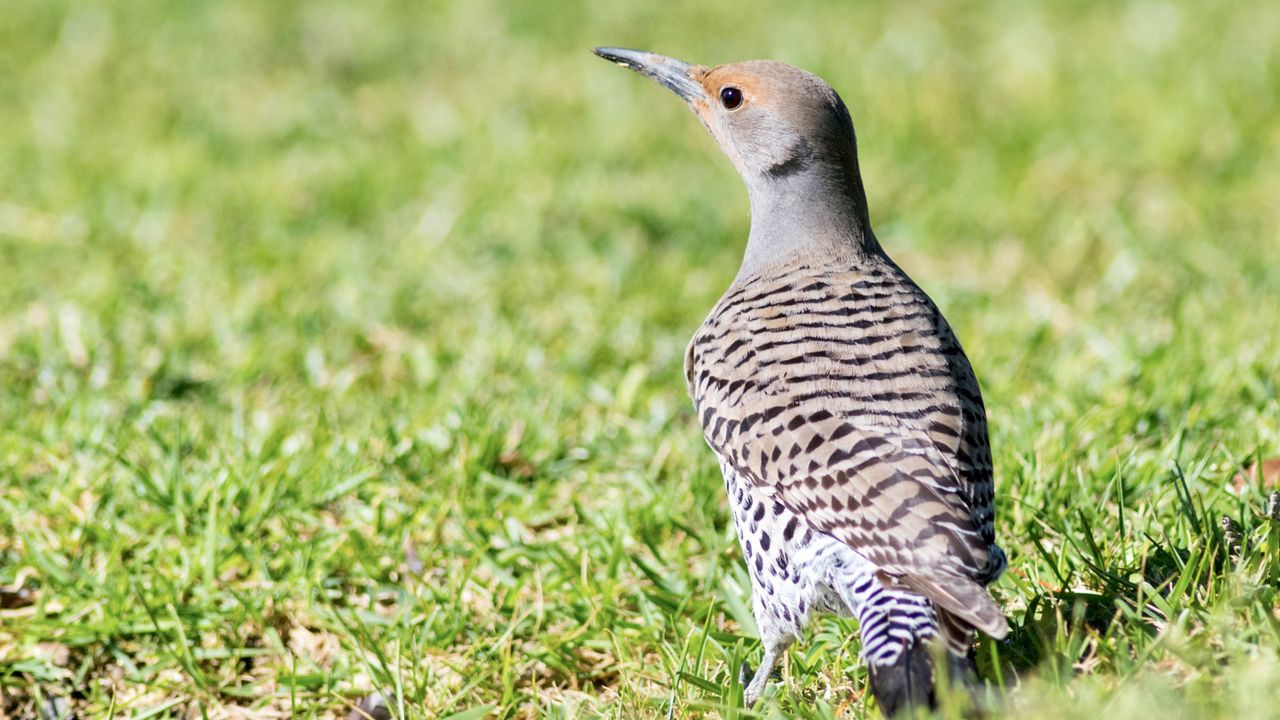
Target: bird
point(847, 420)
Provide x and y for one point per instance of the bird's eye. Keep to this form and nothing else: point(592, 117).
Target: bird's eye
point(730, 97)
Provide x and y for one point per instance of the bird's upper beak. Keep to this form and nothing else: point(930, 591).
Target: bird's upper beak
point(671, 73)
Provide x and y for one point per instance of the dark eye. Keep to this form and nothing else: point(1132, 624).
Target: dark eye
point(730, 97)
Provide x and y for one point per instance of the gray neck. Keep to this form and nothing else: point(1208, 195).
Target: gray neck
point(807, 215)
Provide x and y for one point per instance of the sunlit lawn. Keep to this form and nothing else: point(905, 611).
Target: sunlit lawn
point(340, 350)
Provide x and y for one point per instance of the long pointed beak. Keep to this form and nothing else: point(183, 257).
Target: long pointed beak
point(671, 73)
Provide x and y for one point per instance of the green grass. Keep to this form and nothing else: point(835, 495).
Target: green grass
point(340, 349)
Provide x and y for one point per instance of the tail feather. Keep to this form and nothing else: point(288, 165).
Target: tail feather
point(909, 682)
point(905, 684)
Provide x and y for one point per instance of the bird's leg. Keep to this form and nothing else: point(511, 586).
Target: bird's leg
point(772, 651)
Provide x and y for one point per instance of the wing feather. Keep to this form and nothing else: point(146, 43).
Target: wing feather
point(846, 395)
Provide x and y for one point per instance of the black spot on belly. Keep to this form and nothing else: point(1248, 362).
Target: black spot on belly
point(790, 530)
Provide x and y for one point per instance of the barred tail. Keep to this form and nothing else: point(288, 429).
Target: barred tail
point(900, 626)
point(909, 682)
point(899, 632)
point(898, 629)
point(906, 683)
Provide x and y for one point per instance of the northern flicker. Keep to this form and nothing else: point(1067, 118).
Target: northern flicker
point(846, 418)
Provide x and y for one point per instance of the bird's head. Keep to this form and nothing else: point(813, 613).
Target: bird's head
point(774, 121)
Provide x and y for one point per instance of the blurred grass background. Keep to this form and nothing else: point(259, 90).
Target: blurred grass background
point(340, 349)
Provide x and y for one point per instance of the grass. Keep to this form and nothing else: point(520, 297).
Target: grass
point(340, 350)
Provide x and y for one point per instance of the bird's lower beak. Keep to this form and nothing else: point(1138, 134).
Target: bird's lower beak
point(671, 73)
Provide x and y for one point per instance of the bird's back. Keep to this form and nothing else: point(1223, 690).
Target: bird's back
point(844, 393)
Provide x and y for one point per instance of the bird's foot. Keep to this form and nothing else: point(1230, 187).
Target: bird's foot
point(753, 683)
